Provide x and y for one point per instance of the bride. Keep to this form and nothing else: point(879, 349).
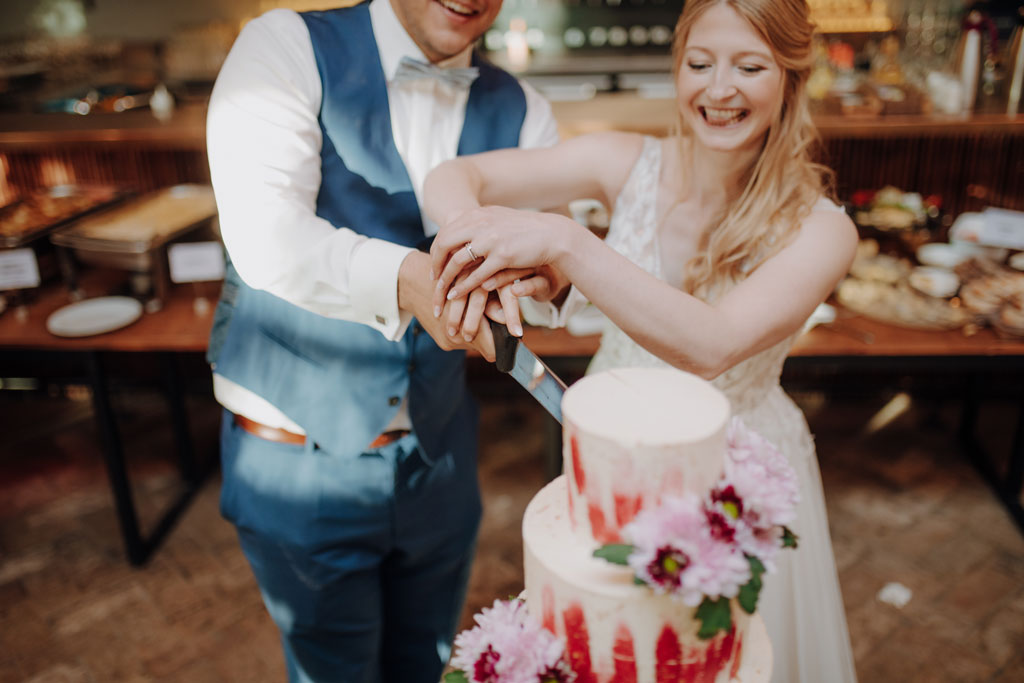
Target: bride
point(722, 243)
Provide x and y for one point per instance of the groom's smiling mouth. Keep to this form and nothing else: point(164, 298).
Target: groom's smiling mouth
point(457, 8)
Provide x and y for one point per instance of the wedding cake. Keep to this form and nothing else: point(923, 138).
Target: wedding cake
point(633, 439)
point(644, 561)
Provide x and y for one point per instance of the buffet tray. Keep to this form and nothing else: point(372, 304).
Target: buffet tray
point(45, 211)
point(898, 304)
point(141, 225)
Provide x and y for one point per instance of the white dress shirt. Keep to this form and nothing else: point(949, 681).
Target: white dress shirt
point(264, 140)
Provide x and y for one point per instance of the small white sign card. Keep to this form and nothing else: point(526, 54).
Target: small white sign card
point(196, 261)
point(1002, 228)
point(18, 269)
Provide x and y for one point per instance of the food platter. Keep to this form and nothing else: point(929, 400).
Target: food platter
point(41, 213)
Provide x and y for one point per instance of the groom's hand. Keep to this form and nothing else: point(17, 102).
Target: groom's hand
point(415, 292)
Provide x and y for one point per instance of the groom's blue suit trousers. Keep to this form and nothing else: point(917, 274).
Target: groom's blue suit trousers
point(381, 544)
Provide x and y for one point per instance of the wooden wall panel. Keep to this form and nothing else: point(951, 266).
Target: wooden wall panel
point(140, 167)
point(970, 172)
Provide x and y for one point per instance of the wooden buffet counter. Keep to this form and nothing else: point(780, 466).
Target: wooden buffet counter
point(186, 129)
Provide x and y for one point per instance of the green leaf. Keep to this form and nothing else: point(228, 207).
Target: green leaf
point(789, 539)
point(455, 677)
point(616, 553)
point(750, 591)
point(714, 616)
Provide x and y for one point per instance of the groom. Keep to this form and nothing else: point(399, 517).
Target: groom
point(349, 438)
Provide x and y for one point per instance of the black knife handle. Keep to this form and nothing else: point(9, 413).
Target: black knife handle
point(505, 345)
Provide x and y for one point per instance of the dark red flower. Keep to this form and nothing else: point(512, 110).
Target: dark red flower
point(721, 527)
point(485, 670)
point(560, 673)
point(862, 197)
point(730, 501)
point(667, 566)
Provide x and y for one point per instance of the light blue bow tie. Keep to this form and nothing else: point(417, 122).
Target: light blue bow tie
point(410, 69)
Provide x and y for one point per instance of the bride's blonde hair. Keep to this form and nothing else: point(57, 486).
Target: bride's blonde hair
point(782, 184)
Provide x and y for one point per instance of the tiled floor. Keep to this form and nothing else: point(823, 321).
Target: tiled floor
point(904, 507)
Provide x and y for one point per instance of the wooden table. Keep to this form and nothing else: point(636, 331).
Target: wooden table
point(27, 347)
point(178, 328)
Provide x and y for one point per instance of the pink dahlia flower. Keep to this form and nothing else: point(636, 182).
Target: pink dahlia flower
point(675, 552)
point(759, 492)
point(509, 646)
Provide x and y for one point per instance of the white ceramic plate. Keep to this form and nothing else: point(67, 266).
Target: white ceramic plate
point(94, 316)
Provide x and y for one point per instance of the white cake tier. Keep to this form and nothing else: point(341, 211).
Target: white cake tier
point(616, 631)
point(634, 435)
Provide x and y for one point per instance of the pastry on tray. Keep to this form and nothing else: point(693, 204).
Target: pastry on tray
point(987, 294)
point(899, 305)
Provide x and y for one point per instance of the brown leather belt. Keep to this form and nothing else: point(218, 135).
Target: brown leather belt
point(278, 435)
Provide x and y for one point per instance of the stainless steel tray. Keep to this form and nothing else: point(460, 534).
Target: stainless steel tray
point(44, 212)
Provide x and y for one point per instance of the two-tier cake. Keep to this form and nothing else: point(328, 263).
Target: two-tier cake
point(632, 438)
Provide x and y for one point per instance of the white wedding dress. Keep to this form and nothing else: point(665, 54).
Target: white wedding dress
point(800, 603)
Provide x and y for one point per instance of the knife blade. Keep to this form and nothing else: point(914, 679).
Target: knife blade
point(513, 358)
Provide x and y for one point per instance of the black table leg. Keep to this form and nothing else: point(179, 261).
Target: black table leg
point(176, 406)
point(1015, 473)
point(114, 456)
point(1007, 487)
point(140, 548)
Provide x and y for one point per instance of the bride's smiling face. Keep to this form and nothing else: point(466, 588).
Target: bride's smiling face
point(729, 85)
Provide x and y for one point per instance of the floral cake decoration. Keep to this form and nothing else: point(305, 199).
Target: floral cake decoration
point(702, 551)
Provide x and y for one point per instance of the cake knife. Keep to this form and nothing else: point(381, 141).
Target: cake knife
point(512, 357)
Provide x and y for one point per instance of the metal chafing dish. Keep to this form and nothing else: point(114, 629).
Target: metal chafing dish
point(40, 213)
point(134, 237)
point(27, 260)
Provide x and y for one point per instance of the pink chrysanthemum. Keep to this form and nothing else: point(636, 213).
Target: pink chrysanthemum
point(508, 646)
point(759, 492)
point(676, 552)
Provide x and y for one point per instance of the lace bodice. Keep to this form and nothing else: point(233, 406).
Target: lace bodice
point(633, 233)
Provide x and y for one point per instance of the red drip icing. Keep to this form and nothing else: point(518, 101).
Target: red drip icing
point(577, 465)
point(692, 665)
point(716, 657)
point(577, 644)
point(548, 610)
point(626, 508)
point(572, 516)
point(598, 527)
point(668, 666)
point(737, 657)
point(623, 656)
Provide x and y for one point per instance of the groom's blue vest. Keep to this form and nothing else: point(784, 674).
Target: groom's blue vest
point(342, 381)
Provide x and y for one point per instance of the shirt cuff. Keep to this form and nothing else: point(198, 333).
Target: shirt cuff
point(538, 313)
point(373, 284)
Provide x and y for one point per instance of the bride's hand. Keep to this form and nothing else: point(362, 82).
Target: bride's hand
point(492, 239)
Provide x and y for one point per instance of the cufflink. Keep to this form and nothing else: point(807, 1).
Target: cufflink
point(381, 320)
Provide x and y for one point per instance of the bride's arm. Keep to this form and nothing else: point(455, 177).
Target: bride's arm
point(593, 166)
point(772, 303)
